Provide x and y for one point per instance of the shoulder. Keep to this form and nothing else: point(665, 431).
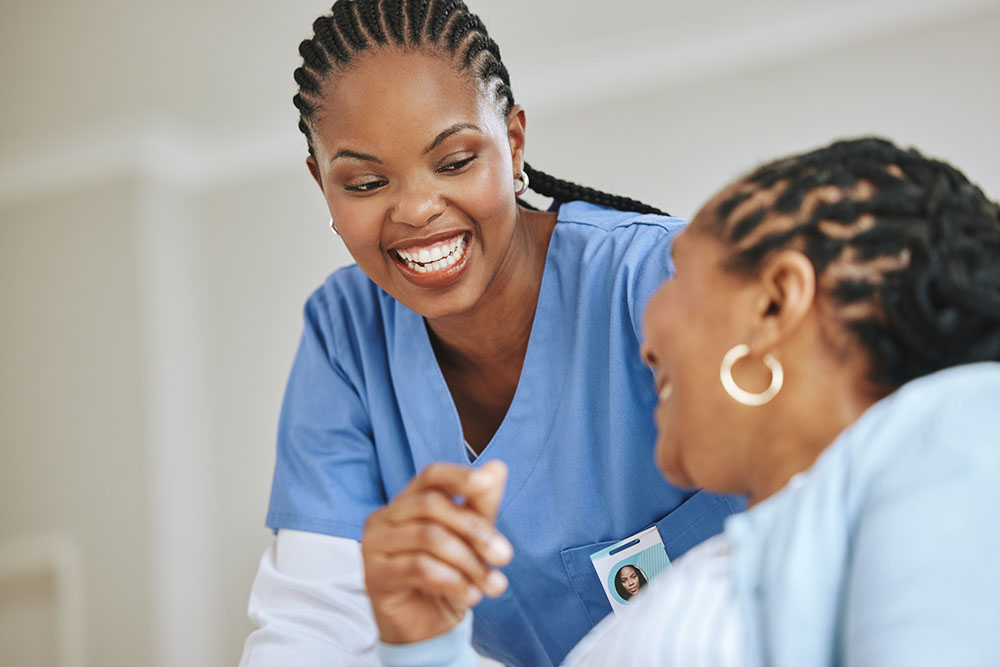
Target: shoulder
point(613, 256)
point(347, 308)
point(590, 217)
point(603, 238)
point(347, 292)
point(958, 405)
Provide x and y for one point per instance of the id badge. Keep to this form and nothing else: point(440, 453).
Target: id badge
point(628, 566)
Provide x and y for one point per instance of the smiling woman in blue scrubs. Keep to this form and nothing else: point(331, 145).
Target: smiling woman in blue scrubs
point(471, 328)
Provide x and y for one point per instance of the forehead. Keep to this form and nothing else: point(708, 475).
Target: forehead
point(707, 217)
point(395, 93)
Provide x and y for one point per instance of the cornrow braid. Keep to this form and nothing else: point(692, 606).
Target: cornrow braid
point(562, 191)
point(442, 26)
point(905, 246)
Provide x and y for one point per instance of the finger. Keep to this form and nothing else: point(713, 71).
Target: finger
point(437, 506)
point(435, 540)
point(481, 487)
point(423, 573)
point(488, 487)
point(453, 479)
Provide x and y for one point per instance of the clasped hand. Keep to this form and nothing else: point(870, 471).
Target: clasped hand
point(431, 553)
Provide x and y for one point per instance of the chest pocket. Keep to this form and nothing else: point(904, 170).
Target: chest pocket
point(692, 522)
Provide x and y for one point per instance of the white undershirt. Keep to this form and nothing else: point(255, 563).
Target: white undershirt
point(309, 604)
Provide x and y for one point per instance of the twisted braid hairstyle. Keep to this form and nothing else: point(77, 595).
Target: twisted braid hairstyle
point(444, 27)
point(906, 249)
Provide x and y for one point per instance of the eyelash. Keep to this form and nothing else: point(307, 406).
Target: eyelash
point(458, 164)
point(371, 186)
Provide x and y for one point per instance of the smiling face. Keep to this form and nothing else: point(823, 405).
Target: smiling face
point(417, 167)
point(629, 579)
point(689, 324)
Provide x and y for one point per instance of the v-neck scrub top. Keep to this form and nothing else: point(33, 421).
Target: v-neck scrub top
point(367, 407)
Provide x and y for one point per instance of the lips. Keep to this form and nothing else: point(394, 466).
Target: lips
point(436, 256)
point(434, 262)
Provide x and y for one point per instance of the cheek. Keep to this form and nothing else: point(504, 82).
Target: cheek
point(487, 194)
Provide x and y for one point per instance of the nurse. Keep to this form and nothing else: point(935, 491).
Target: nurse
point(471, 329)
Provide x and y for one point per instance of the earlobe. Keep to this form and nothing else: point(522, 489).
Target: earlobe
point(314, 170)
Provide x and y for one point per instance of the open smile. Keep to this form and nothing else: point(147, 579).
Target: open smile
point(436, 263)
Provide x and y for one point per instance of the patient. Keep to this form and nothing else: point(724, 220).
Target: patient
point(826, 348)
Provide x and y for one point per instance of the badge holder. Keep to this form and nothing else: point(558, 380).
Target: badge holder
point(627, 567)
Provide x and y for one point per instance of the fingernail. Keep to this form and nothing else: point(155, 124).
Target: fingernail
point(496, 582)
point(480, 477)
point(500, 550)
point(473, 597)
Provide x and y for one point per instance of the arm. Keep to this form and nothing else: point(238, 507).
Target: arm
point(309, 604)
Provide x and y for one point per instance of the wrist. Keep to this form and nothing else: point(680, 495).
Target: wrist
point(450, 647)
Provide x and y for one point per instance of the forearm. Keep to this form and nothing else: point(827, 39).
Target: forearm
point(309, 605)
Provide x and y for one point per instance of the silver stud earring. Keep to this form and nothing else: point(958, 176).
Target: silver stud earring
point(333, 228)
point(520, 183)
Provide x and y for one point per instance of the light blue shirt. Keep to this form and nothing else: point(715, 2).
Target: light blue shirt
point(885, 553)
point(367, 407)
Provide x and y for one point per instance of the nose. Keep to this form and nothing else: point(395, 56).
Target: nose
point(417, 205)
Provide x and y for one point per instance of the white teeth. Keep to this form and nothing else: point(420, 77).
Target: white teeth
point(437, 258)
point(665, 392)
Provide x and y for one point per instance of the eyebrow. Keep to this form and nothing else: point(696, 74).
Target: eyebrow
point(365, 157)
point(454, 129)
point(354, 155)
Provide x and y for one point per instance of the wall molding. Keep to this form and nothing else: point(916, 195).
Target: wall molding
point(57, 557)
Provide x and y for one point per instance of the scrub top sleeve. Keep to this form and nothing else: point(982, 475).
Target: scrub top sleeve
point(326, 475)
point(924, 583)
point(652, 269)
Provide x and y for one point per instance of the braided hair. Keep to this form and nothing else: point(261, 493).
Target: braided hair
point(442, 26)
point(905, 247)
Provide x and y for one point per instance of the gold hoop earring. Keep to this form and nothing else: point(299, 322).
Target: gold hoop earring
point(523, 186)
point(740, 395)
point(333, 228)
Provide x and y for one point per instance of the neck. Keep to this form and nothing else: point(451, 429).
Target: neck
point(797, 431)
point(496, 331)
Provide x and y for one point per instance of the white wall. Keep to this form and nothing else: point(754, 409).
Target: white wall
point(159, 234)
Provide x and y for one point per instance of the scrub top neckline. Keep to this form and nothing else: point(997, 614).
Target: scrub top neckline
point(432, 422)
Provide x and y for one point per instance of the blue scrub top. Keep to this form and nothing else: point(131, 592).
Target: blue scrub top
point(367, 407)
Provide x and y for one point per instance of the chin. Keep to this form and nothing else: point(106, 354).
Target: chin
point(670, 467)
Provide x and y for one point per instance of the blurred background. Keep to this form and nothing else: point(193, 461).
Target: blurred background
point(159, 234)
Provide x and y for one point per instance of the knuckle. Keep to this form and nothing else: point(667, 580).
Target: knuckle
point(478, 529)
point(434, 470)
point(424, 503)
point(428, 534)
point(427, 568)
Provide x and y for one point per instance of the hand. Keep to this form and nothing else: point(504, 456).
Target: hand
point(429, 558)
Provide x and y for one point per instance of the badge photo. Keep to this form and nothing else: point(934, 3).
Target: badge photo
point(626, 567)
